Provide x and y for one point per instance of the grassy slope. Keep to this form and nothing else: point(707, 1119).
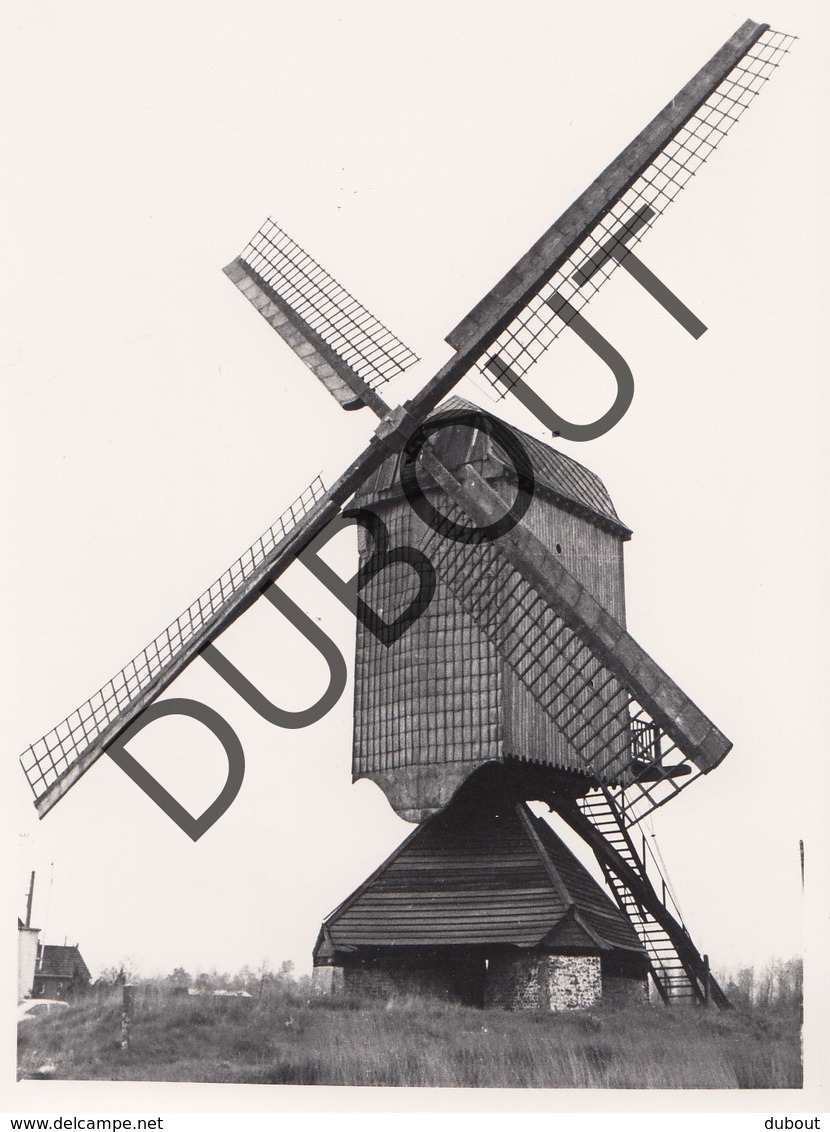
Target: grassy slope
point(412, 1042)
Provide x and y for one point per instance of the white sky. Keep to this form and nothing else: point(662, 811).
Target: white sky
point(155, 424)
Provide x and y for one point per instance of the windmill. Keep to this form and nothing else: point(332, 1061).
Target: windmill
point(665, 738)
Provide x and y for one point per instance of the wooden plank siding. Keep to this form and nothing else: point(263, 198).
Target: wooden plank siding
point(441, 702)
point(471, 876)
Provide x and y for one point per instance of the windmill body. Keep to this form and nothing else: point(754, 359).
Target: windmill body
point(483, 903)
point(441, 701)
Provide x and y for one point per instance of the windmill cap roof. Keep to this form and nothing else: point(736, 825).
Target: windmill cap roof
point(556, 476)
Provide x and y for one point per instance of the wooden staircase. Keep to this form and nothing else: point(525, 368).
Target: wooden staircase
point(679, 972)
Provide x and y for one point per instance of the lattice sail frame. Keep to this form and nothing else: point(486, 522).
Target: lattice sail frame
point(51, 756)
point(521, 343)
point(362, 341)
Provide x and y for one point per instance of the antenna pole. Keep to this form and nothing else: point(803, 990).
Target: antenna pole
point(29, 900)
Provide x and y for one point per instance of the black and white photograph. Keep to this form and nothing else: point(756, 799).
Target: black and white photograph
point(472, 501)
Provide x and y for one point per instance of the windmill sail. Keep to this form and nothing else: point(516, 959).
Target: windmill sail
point(527, 309)
point(342, 343)
point(353, 353)
point(54, 762)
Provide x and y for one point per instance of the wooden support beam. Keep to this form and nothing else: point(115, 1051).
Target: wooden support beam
point(694, 734)
point(526, 278)
point(345, 385)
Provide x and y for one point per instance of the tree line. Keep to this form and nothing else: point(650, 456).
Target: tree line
point(779, 984)
point(257, 982)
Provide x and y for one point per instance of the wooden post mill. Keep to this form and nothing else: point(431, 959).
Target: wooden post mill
point(494, 668)
point(483, 903)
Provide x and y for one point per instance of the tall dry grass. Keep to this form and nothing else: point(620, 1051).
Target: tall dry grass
point(285, 1039)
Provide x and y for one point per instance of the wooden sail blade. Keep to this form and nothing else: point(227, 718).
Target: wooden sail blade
point(347, 348)
point(566, 267)
point(60, 757)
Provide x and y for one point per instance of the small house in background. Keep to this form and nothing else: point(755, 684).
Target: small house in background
point(46, 970)
point(61, 972)
point(27, 949)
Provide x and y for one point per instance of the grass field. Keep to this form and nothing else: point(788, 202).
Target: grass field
point(286, 1039)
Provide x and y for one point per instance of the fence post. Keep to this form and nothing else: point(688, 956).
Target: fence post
point(706, 979)
point(126, 1015)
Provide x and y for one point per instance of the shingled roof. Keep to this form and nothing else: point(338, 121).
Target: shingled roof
point(557, 476)
point(466, 877)
point(64, 962)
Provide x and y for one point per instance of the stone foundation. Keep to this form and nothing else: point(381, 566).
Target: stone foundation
point(624, 991)
point(534, 981)
point(573, 981)
point(459, 981)
point(513, 983)
point(512, 980)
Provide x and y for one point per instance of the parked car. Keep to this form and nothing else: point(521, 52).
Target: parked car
point(39, 1007)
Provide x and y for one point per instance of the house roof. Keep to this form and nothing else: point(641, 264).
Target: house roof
point(558, 476)
point(62, 962)
point(468, 877)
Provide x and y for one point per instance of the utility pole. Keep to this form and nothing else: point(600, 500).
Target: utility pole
point(29, 900)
